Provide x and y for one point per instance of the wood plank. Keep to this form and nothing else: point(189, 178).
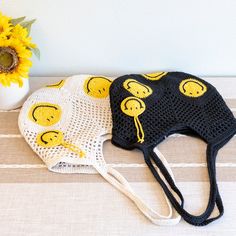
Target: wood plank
point(231, 102)
point(66, 209)
point(181, 174)
point(183, 150)
point(175, 150)
point(9, 123)
point(137, 174)
point(17, 151)
point(225, 85)
point(19, 202)
point(31, 196)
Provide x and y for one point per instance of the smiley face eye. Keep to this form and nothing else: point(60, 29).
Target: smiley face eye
point(55, 136)
point(137, 92)
point(51, 139)
point(144, 92)
point(104, 89)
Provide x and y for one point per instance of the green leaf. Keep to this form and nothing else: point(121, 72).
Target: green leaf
point(27, 25)
point(17, 20)
point(36, 52)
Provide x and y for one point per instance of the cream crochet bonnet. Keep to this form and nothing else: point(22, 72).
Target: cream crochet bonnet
point(66, 124)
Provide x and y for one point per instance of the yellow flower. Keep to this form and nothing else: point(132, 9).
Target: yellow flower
point(5, 25)
point(14, 61)
point(18, 32)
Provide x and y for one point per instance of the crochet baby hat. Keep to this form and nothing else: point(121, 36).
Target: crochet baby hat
point(66, 124)
point(147, 108)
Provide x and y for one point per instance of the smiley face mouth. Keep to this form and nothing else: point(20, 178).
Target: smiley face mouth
point(132, 106)
point(202, 88)
point(57, 85)
point(154, 75)
point(192, 88)
point(45, 114)
point(137, 89)
point(140, 104)
point(129, 86)
point(42, 106)
point(46, 142)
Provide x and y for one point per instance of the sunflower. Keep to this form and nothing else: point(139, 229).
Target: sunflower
point(5, 26)
point(14, 61)
point(18, 32)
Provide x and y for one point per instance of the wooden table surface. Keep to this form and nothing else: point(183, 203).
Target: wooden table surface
point(34, 201)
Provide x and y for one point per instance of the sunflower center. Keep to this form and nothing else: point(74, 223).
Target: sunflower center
point(8, 59)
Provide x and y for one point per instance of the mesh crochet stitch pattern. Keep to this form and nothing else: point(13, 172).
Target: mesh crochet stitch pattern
point(196, 108)
point(82, 123)
point(66, 125)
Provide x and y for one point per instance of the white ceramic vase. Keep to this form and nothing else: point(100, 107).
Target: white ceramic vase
point(14, 96)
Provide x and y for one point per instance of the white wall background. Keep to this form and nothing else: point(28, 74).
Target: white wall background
point(123, 36)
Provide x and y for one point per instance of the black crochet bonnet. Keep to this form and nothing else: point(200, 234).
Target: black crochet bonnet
point(147, 108)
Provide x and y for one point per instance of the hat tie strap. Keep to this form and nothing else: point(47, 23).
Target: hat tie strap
point(214, 198)
point(74, 148)
point(139, 129)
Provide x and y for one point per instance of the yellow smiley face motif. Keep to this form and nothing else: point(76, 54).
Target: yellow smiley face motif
point(50, 138)
point(53, 138)
point(192, 88)
point(154, 76)
point(97, 86)
point(133, 106)
point(57, 85)
point(45, 114)
point(137, 89)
